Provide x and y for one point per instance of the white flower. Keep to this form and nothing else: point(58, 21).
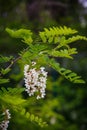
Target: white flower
point(4, 124)
point(53, 120)
point(7, 113)
point(26, 70)
point(33, 63)
point(35, 80)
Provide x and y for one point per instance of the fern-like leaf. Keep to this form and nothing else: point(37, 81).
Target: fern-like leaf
point(5, 59)
point(52, 34)
point(25, 34)
point(12, 96)
point(68, 74)
point(63, 53)
point(33, 118)
point(2, 80)
point(64, 42)
point(5, 71)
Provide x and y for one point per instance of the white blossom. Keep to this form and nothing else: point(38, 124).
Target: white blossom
point(4, 123)
point(35, 80)
point(53, 120)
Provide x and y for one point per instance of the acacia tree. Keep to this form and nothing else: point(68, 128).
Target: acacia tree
point(40, 52)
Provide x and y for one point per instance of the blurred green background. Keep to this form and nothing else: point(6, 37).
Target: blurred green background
point(65, 107)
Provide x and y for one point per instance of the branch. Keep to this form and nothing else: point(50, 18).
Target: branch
point(11, 64)
point(14, 61)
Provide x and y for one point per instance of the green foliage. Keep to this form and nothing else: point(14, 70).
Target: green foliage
point(51, 34)
point(33, 118)
point(25, 34)
point(5, 71)
point(62, 38)
point(2, 80)
point(11, 97)
point(49, 44)
point(59, 47)
point(5, 59)
point(63, 53)
point(68, 74)
point(65, 42)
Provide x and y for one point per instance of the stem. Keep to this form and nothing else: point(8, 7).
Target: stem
point(14, 61)
point(11, 64)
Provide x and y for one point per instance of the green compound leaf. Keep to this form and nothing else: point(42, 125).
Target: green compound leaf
point(25, 34)
point(5, 58)
point(33, 118)
point(68, 74)
point(43, 37)
point(63, 53)
point(5, 71)
point(12, 96)
point(52, 34)
point(2, 81)
point(64, 42)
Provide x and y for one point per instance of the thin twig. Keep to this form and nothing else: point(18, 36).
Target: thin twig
point(14, 61)
point(11, 64)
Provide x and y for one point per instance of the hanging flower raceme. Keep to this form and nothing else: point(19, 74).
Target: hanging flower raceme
point(6, 116)
point(35, 80)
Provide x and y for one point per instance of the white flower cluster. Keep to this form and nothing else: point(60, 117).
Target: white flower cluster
point(35, 80)
point(4, 124)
